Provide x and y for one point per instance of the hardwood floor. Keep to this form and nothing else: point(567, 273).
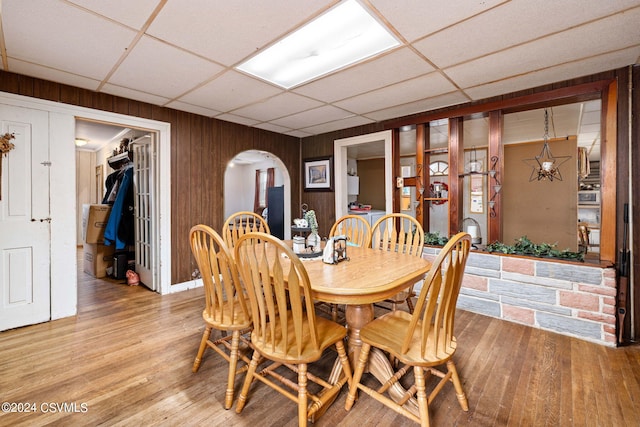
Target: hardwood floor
point(126, 359)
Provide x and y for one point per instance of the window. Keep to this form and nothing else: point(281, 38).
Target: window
point(262, 189)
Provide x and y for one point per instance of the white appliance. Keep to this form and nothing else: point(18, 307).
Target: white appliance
point(353, 185)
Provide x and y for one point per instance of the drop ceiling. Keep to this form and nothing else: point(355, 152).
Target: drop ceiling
point(181, 54)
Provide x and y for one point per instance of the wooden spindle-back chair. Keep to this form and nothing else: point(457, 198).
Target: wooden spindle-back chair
point(286, 330)
point(241, 223)
point(226, 304)
point(355, 228)
point(399, 233)
point(423, 340)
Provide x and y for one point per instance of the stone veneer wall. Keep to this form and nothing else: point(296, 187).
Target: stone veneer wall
point(567, 298)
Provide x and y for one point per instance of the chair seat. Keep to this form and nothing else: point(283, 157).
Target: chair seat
point(224, 321)
point(388, 332)
point(328, 332)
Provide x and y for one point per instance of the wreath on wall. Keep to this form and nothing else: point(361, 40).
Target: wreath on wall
point(443, 187)
point(5, 146)
point(5, 143)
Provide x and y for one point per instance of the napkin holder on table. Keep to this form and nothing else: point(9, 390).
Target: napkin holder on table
point(335, 250)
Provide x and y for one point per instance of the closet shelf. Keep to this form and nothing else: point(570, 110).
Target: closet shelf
point(118, 158)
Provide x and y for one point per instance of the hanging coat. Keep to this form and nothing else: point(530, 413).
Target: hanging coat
point(120, 228)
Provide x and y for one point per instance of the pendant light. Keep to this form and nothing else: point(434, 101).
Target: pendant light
point(545, 166)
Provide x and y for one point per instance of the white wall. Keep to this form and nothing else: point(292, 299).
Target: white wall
point(85, 188)
point(239, 185)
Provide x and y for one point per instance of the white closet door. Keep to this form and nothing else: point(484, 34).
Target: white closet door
point(144, 189)
point(25, 237)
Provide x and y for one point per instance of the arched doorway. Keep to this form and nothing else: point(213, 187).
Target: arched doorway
point(239, 183)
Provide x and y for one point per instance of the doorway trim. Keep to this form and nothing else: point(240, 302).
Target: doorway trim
point(340, 166)
point(63, 206)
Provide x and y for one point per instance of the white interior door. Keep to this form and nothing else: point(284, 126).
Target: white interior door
point(144, 184)
point(24, 219)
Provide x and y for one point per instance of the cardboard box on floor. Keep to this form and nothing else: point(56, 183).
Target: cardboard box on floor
point(94, 221)
point(97, 257)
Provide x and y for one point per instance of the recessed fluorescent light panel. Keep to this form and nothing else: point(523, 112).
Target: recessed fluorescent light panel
point(344, 35)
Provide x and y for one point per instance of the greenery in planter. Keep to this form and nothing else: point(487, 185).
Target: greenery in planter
point(524, 246)
point(435, 239)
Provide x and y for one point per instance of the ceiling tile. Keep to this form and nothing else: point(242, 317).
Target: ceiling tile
point(313, 117)
point(422, 105)
point(160, 69)
point(134, 94)
point(42, 38)
point(98, 134)
point(34, 70)
point(278, 106)
point(337, 125)
point(554, 74)
point(590, 129)
point(585, 41)
point(209, 26)
point(229, 91)
point(237, 119)
point(399, 65)
point(519, 21)
point(587, 138)
point(416, 18)
point(131, 13)
point(273, 128)
point(183, 106)
point(432, 84)
point(589, 117)
point(594, 105)
point(298, 134)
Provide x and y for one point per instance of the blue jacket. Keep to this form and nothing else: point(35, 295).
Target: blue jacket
point(120, 223)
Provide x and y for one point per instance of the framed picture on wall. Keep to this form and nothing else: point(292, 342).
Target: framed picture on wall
point(318, 174)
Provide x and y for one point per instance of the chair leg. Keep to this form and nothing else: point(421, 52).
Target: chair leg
point(302, 394)
point(460, 394)
point(247, 381)
point(334, 312)
point(233, 363)
point(357, 375)
point(203, 345)
point(421, 396)
point(344, 361)
point(410, 304)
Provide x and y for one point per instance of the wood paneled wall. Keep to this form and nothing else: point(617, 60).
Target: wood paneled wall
point(201, 147)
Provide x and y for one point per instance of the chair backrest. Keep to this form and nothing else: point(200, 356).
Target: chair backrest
point(399, 233)
point(355, 227)
point(279, 295)
point(241, 223)
point(222, 287)
point(436, 303)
